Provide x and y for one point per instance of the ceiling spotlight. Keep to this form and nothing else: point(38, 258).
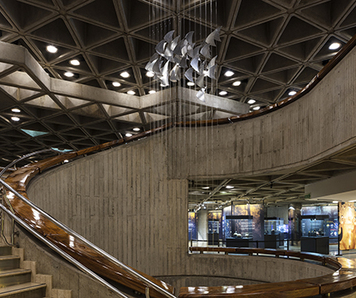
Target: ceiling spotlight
point(150, 74)
point(69, 74)
point(229, 73)
point(229, 186)
point(74, 62)
point(291, 93)
point(334, 46)
point(251, 101)
point(152, 91)
point(15, 119)
point(66, 160)
point(136, 129)
point(128, 134)
point(236, 83)
point(190, 84)
point(205, 187)
point(256, 108)
point(15, 110)
point(116, 84)
point(125, 74)
point(51, 49)
point(335, 202)
point(222, 93)
point(131, 92)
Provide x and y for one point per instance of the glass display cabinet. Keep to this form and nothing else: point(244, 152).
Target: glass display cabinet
point(315, 233)
point(274, 232)
point(240, 230)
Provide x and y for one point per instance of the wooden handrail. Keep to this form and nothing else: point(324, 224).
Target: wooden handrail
point(343, 278)
point(68, 242)
point(76, 248)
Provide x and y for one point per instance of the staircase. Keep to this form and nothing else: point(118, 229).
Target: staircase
point(18, 278)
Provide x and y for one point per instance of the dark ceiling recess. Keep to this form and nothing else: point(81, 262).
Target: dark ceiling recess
point(272, 47)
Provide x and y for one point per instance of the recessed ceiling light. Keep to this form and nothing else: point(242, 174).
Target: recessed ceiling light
point(69, 74)
point(229, 186)
point(51, 49)
point(256, 108)
point(15, 110)
point(291, 93)
point(131, 92)
point(152, 91)
point(15, 118)
point(229, 73)
point(128, 134)
point(125, 74)
point(251, 101)
point(335, 202)
point(222, 93)
point(236, 83)
point(334, 46)
point(150, 74)
point(74, 62)
point(116, 84)
point(136, 129)
point(205, 187)
point(190, 84)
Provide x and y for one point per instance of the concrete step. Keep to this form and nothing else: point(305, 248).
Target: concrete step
point(9, 262)
point(5, 250)
point(26, 290)
point(14, 277)
point(24, 282)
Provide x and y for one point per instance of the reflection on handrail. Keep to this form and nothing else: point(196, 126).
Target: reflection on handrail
point(62, 253)
point(146, 281)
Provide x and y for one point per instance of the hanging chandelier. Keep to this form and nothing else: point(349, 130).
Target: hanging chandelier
point(175, 55)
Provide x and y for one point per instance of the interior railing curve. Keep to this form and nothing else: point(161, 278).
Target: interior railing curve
point(82, 250)
point(343, 278)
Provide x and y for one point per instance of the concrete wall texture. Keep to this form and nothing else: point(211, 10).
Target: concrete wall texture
point(132, 200)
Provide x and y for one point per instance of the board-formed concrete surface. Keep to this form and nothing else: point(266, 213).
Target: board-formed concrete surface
point(132, 200)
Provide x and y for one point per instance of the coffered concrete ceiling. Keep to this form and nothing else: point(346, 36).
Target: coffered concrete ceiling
point(271, 46)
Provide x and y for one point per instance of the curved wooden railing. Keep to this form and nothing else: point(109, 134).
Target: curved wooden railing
point(102, 265)
point(343, 278)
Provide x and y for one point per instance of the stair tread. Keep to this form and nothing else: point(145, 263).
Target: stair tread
point(14, 272)
point(20, 288)
point(9, 257)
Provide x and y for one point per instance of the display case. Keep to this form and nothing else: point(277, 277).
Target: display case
point(241, 229)
point(274, 226)
point(316, 225)
point(213, 232)
point(214, 221)
point(274, 229)
point(315, 233)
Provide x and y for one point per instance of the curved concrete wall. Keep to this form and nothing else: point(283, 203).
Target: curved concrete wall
point(132, 200)
point(318, 124)
point(217, 270)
